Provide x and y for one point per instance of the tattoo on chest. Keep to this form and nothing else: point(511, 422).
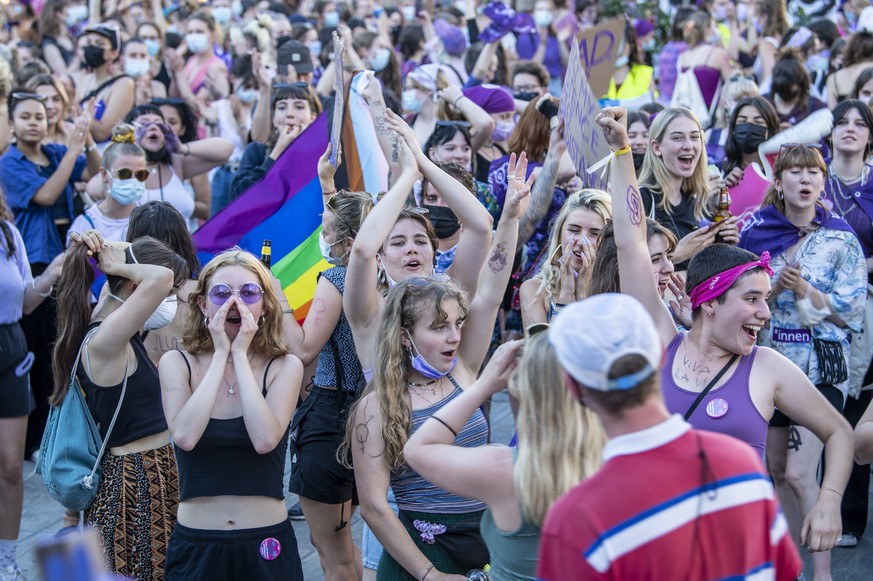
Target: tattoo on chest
point(164, 344)
point(694, 371)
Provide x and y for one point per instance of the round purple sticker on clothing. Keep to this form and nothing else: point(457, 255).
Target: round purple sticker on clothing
point(717, 408)
point(270, 549)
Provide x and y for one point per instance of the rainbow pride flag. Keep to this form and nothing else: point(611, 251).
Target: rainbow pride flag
point(284, 207)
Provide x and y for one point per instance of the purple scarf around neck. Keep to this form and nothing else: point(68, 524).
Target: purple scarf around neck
point(768, 229)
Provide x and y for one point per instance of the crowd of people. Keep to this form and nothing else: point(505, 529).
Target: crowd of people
point(687, 352)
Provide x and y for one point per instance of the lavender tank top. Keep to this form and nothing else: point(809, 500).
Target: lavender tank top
point(742, 419)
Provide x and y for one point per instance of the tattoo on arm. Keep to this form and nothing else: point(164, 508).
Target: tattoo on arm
point(794, 441)
point(634, 206)
point(319, 308)
point(497, 262)
point(540, 198)
point(362, 432)
point(395, 152)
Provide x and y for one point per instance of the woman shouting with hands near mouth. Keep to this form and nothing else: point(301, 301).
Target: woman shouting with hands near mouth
point(729, 288)
point(228, 401)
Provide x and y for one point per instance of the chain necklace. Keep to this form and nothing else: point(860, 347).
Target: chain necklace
point(704, 353)
point(430, 384)
point(229, 386)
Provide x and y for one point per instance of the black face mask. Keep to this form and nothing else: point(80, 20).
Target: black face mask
point(749, 136)
point(526, 95)
point(638, 161)
point(162, 155)
point(280, 40)
point(443, 219)
point(95, 56)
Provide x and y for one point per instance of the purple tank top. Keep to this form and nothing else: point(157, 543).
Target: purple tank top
point(707, 80)
point(728, 409)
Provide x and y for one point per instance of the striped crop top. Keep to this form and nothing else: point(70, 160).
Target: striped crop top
point(413, 492)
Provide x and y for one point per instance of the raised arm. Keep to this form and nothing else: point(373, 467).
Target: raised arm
point(481, 123)
point(484, 472)
point(386, 137)
point(198, 157)
point(475, 219)
point(495, 273)
point(629, 221)
point(261, 122)
point(544, 187)
point(361, 300)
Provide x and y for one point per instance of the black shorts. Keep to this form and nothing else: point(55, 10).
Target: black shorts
point(16, 397)
point(831, 393)
point(218, 555)
point(316, 433)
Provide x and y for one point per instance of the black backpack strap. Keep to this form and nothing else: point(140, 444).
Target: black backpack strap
point(102, 86)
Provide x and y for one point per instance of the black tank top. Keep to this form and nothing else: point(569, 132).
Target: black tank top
point(141, 412)
point(225, 462)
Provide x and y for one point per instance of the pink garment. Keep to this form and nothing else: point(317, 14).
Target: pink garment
point(747, 195)
point(196, 73)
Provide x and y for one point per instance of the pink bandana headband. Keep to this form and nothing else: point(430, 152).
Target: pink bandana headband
point(717, 285)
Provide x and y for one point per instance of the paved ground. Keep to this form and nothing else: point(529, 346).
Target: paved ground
point(43, 517)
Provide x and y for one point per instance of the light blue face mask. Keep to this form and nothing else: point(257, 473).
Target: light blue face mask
point(420, 364)
point(326, 247)
point(153, 46)
point(127, 192)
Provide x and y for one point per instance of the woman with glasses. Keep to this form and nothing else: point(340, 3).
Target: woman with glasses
point(170, 162)
point(228, 401)
point(293, 107)
point(729, 289)
point(123, 177)
point(135, 507)
point(818, 296)
point(421, 360)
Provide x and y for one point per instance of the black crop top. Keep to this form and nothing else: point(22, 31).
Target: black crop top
point(141, 412)
point(225, 462)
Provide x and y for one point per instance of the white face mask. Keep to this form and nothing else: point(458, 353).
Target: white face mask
point(197, 42)
point(136, 68)
point(380, 59)
point(326, 247)
point(222, 14)
point(247, 95)
point(408, 13)
point(411, 102)
point(543, 18)
point(331, 19)
point(163, 315)
point(237, 7)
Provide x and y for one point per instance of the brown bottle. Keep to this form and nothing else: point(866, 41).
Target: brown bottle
point(267, 253)
point(723, 211)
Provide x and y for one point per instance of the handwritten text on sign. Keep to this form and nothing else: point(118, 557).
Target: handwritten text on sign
point(598, 49)
point(579, 108)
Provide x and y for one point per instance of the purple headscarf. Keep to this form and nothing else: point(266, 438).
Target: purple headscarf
point(453, 37)
point(492, 98)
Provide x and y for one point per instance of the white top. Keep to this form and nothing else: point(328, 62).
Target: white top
point(173, 192)
point(227, 128)
point(110, 228)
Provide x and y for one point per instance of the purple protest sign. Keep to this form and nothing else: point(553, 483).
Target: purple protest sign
point(579, 107)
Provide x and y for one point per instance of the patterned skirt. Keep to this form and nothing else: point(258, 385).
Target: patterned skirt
point(135, 511)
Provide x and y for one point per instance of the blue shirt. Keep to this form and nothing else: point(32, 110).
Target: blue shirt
point(21, 179)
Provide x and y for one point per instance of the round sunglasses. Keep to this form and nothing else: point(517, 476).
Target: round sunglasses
point(250, 293)
point(125, 173)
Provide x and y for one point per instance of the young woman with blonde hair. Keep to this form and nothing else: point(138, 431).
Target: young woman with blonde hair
point(674, 183)
point(421, 361)
point(563, 277)
point(521, 483)
point(228, 400)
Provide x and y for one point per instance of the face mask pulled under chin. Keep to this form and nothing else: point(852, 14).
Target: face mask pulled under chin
point(420, 364)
